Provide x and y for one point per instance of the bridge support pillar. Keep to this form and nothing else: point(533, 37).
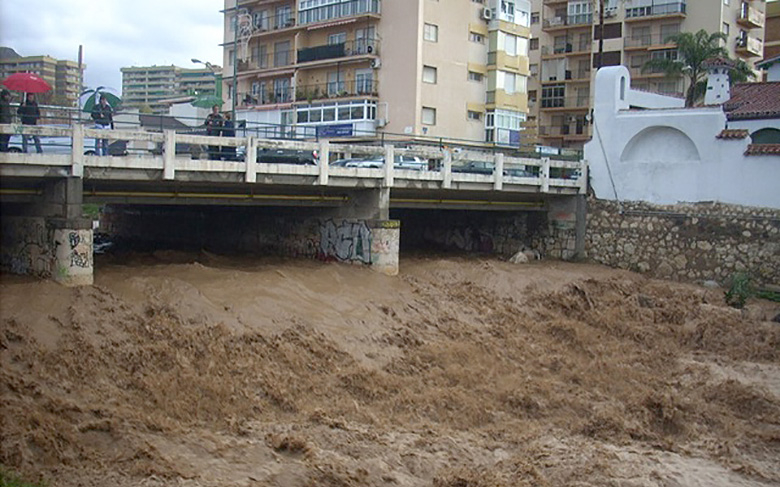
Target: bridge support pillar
point(370, 209)
point(69, 232)
point(566, 227)
point(50, 238)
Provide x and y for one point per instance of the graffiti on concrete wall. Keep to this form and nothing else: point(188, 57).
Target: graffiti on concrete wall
point(80, 248)
point(345, 241)
point(25, 246)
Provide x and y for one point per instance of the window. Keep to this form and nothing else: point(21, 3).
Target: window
point(474, 76)
point(339, 38)
point(513, 45)
point(534, 17)
point(284, 17)
point(364, 81)
point(282, 53)
point(474, 116)
point(428, 116)
point(510, 82)
point(553, 96)
point(668, 30)
point(725, 28)
point(533, 45)
point(335, 83)
point(533, 69)
point(431, 32)
point(282, 90)
point(475, 37)
point(429, 74)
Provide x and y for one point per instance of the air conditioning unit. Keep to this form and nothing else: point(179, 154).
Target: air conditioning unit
point(488, 14)
point(609, 13)
point(381, 122)
point(376, 63)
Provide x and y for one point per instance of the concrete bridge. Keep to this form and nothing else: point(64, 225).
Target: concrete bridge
point(45, 233)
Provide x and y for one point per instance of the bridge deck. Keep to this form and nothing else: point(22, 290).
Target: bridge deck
point(156, 173)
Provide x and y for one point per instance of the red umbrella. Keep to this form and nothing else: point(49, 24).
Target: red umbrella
point(27, 82)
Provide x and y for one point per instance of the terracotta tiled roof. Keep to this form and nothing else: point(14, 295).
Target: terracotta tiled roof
point(717, 62)
point(763, 150)
point(733, 134)
point(753, 100)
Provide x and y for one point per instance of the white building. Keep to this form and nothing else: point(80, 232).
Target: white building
point(649, 147)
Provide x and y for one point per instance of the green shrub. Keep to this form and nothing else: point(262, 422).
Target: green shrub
point(9, 479)
point(740, 290)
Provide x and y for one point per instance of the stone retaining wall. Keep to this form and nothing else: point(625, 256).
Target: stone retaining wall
point(687, 242)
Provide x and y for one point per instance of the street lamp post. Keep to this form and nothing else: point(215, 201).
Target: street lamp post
point(217, 76)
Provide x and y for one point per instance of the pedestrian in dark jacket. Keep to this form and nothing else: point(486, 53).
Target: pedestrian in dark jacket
point(228, 130)
point(214, 127)
point(5, 117)
point(103, 115)
point(30, 113)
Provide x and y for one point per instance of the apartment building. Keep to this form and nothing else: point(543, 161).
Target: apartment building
point(772, 29)
point(150, 86)
point(454, 69)
point(565, 41)
point(63, 75)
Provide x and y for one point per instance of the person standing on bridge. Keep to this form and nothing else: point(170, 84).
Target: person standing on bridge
point(5, 117)
point(214, 124)
point(103, 115)
point(228, 130)
point(30, 113)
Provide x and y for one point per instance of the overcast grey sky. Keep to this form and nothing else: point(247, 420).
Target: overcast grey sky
point(114, 33)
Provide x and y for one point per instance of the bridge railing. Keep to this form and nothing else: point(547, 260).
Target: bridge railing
point(174, 153)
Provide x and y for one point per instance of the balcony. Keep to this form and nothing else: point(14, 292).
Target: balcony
point(577, 130)
point(268, 23)
point(671, 9)
point(578, 76)
point(749, 46)
point(565, 103)
point(750, 17)
point(569, 21)
point(357, 47)
point(647, 42)
point(568, 49)
point(277, 60)
point(266, 97)
point(336, 89)
point(339, 10)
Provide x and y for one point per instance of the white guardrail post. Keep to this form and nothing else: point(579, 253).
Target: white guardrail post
point(446, 170)
point(77, 151)
point(250, 158)
point(545, 174)
point(169, 154)
point(389, 165)
point(324, 162)
point(498, 172)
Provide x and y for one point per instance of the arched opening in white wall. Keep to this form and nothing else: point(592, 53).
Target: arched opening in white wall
point(664, 145)
point(765, 136)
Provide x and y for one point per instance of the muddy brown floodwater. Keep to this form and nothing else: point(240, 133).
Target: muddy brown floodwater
point(201, 370)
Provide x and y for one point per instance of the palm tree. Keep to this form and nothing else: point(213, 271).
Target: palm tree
point(693, 52)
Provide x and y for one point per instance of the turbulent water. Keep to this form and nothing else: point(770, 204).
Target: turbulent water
point(205, 370)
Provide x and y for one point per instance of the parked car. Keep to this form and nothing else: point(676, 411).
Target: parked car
point(475, 167)
point(287, 156)
point(487, 167)
point(401, 162)
point(62, 145)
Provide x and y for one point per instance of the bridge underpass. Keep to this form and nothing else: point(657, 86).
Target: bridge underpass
point(357, 215)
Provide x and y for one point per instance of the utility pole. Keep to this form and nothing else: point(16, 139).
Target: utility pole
point(235, 64)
